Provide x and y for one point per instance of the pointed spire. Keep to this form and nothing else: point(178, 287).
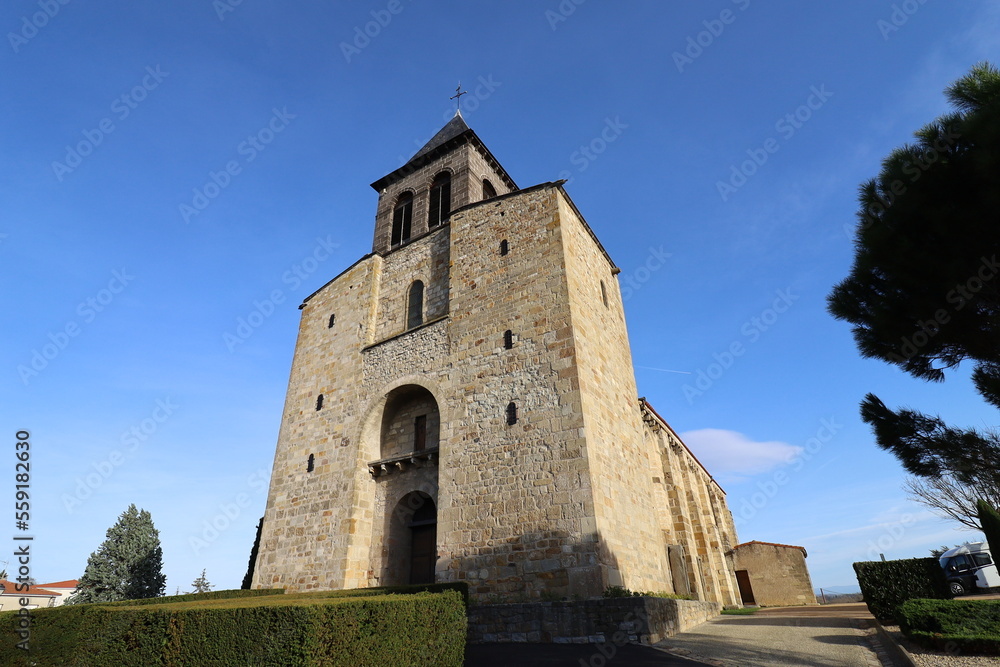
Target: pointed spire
point(452, 129)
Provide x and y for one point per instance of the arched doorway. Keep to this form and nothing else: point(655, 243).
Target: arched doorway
point(404, 543)
point(423, 542)
point(411, 542)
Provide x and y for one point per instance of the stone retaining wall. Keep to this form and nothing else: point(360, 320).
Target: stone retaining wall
point(618, 620)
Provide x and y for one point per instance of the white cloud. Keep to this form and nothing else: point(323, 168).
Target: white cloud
point(731, 453)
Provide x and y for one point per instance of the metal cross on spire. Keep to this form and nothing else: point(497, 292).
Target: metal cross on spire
point(458, 96)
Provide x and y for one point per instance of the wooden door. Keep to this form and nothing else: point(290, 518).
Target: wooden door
point(423, 554)
point(746, 590)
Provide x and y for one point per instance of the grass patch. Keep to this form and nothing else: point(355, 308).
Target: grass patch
point(740, 611)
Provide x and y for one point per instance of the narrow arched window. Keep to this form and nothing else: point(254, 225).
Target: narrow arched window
point(440, 199)
point(402, 218)
point(504, 247)
point(415, 305)
point(319, 402)
point(489, 192)
point(511, 414)
point(311, 463)
point(604, 294)
point(508, 339)
point(333, 318)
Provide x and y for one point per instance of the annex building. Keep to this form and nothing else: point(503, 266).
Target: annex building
point(462, 407)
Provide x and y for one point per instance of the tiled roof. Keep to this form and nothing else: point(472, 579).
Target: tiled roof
point(9, 588)
point(69, 583)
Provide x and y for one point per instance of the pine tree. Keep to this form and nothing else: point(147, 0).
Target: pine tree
point(128, 565)
point(989, 518)
point(201, 584)
point(924, 291)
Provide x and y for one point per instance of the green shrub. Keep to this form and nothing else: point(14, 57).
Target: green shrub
point(293, 630)
point(968, 626)
point(888, 584)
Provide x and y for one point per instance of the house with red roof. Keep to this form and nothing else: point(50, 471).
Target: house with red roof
point(36, 596)
point(63, 588)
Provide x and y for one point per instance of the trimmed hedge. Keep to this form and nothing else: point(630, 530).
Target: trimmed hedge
point(210, 595)
point(285, 630)
point(888, 584)
point(460, 586)
point(968, 626)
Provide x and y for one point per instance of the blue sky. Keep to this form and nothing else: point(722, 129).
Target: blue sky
point(170, 170)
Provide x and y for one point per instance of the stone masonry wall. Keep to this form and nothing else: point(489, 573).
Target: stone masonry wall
point(778, 574)
point(516, 515)
point(616, 621)
point(426, 259)
point(694, 516)
point(633, 552)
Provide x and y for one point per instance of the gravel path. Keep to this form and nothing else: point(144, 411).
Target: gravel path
point(925, 658)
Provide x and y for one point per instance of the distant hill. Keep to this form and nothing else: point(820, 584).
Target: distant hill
point(838, 598)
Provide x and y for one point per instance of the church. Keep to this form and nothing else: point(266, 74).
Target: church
point(462, 407)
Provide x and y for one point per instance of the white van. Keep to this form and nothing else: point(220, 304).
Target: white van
point(969, 567)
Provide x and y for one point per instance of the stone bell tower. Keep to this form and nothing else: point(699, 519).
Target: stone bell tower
point(462, 405)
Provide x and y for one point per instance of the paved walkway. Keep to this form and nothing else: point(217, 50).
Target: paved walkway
point(569, 655)
point(827, 636)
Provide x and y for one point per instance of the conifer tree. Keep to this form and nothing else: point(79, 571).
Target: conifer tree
point(128, 565)
point(989, 519)
point(924, 291)
point(201, 584)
